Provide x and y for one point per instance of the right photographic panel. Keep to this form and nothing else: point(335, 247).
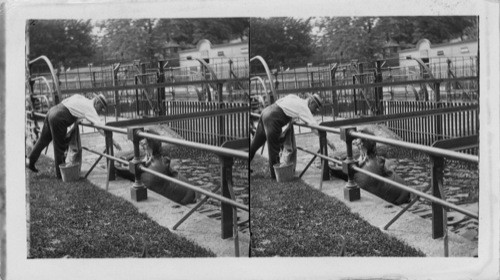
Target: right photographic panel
point(364, 136)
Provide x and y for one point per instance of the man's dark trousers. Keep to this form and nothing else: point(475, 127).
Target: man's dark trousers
point(271, 122)
point(54, 129)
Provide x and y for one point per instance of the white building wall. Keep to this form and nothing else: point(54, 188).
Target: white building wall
point(218, 57)
point(463, 56)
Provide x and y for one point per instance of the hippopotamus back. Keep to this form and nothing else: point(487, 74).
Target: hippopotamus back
point(170, 190)
point(381, 189)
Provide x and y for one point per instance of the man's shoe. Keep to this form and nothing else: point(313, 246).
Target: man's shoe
point(31, 166)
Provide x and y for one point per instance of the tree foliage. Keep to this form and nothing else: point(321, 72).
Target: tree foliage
point(344, 38)
point(281, 40)
point(62, 41)
point(146, 39)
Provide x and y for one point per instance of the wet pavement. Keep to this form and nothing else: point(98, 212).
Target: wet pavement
point(460, 186)
point(200, 172)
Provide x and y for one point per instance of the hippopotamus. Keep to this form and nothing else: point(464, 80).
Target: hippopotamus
point(369, 161)
point(156, 161)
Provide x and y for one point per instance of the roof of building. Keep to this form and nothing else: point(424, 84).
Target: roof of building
point(212, 46)
point(390, 44)
point(171, 44)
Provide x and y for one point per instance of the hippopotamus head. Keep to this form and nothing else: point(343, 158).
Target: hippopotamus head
point(367, 148)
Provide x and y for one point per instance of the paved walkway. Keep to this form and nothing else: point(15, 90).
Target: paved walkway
point(200, 228)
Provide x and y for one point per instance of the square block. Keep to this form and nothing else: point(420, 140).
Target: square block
point(352, 194)
point(139, 194)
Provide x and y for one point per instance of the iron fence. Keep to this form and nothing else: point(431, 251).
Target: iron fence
point(210, 129)
point(428, 129)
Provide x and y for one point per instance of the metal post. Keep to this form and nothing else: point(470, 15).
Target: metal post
point(437, 168)
point(138, 191)
point(354, 96)
point(221, 125)
point(335, 101)
point(229, 87)
point(117, 93)
point(361, 80)
point(109, 150)
point(448, 84)
point(205, 87)
point(324, 151)
point(144, 80)
point(136, 82)
point(276, 81)
point(351, 190)
point(226, 209)
point(161, 91)
point(438, 118)
point(379, 91)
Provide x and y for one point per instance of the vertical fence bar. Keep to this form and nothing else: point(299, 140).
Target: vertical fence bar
point(138, 191)
point(379, 91)
point(136, 81)
point(108, 135)
point(324, 151)
point(116, 93)
point(226, 210)
point(437, 168)
point(161, 90)
point(351, 190)
point(438, 118)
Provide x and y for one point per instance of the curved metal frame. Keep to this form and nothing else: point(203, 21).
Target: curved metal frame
point(426, 68)
point(212, 72)
point(54, 77)
point(269, 76)
point(45, 80)
point(264, 86)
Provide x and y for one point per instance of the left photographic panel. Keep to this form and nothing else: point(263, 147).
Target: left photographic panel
point(136, 138)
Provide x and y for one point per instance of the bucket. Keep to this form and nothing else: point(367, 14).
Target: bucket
point(284, 173)
point(70, 172)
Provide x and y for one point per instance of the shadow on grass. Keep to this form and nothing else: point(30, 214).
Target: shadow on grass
point(80, 220)
point(292, 219)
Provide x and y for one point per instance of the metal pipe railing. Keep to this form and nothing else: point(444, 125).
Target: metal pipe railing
point(418, 147)
point(371, 85)
point(120, 160)
point(416, 192)
point(196, 189)
point(148, 86)
point(396, 184)
point(214, 149)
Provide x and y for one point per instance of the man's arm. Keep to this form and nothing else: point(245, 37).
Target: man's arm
point(309, 119)
point(94, 119)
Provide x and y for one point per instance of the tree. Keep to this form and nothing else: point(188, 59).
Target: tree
point(363, 38)
point(130, 39)
point(145, 39)
point(281, 40)
point(345, 38)
point(62, 41)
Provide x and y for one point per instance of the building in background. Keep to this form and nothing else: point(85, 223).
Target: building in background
point(459, 57)
point(221, 58)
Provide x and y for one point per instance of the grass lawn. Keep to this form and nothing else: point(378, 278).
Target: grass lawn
point(80, 220)
point(292, 219)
